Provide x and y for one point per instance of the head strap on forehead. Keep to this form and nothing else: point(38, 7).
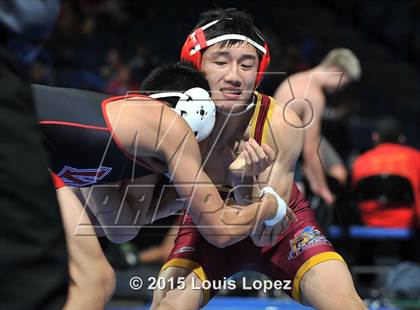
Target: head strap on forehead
point(227, 37)
point(197, 41)
point(203, 43)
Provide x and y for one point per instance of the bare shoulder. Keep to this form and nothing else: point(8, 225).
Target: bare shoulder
point(143, 122)
point(294, 81)
point(136, 111)
point(316, 96)
point(287, 130)
point(299, 91)
point(285, 118)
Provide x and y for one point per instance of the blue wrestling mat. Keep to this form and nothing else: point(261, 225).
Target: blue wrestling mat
point(245, 303)
point(239, 303)
point(253, 303)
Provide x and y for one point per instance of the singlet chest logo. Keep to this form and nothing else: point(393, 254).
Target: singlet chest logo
point(83, 177)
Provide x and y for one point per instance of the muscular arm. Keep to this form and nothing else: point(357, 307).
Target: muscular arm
point(287, 142)
point(220, 224)
point(308, 101)
point(312, 163)
point(242, 188)
point(157, 132)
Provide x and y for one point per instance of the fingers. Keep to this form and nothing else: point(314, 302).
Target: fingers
point(264, 235)
point(255, 160)
point(291, 215)
point(256, 235)
point(259, 151)
point(248, 160)
point(270, 234)
point(271, 155)
point(279, 228)
point(260, 158)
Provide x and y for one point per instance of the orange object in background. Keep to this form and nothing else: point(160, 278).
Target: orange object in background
point(392, 159)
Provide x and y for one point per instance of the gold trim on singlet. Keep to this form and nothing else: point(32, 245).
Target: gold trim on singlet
point(255, 115)
point(194, 267)
point(306, 266)
point(266, 119)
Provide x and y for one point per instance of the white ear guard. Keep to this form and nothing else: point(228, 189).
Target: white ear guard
point(196, 107)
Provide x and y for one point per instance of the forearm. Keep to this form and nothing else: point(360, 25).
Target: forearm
point(242, 189)
point(156, 212)
point(314, 171)
point(231, 224)
point(219, 223)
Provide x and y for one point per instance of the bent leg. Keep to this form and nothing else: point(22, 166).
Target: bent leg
point(116, 217)
point(189, 265)
point(92, 277)
point(320, 275)
point(329, 285)
point(187, 296)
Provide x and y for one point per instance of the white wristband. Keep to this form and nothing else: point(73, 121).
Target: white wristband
point(281, 206)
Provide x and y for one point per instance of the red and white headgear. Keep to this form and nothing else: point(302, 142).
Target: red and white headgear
point(197, 41)
point(197, 109)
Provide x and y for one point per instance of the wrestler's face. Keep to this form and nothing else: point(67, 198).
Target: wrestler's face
point(231, 72)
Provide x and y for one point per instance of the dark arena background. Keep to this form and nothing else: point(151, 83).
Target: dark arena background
point(110, 46)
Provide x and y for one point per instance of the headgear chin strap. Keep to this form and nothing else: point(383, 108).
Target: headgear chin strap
point(197, 41)
point(196, 107)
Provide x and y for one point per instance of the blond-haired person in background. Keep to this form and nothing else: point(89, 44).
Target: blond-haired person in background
point(305, 93)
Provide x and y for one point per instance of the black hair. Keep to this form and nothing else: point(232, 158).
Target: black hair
point(388, 129)
point(174, 77)
point(232, 21)
point(179, 76)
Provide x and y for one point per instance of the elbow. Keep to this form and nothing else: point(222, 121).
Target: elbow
point(219, 242)
point(222, 233)
point(119, 239)
point(220, 238)
point(122, 236)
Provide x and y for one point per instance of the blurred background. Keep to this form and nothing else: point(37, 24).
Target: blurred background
point(109, 46)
